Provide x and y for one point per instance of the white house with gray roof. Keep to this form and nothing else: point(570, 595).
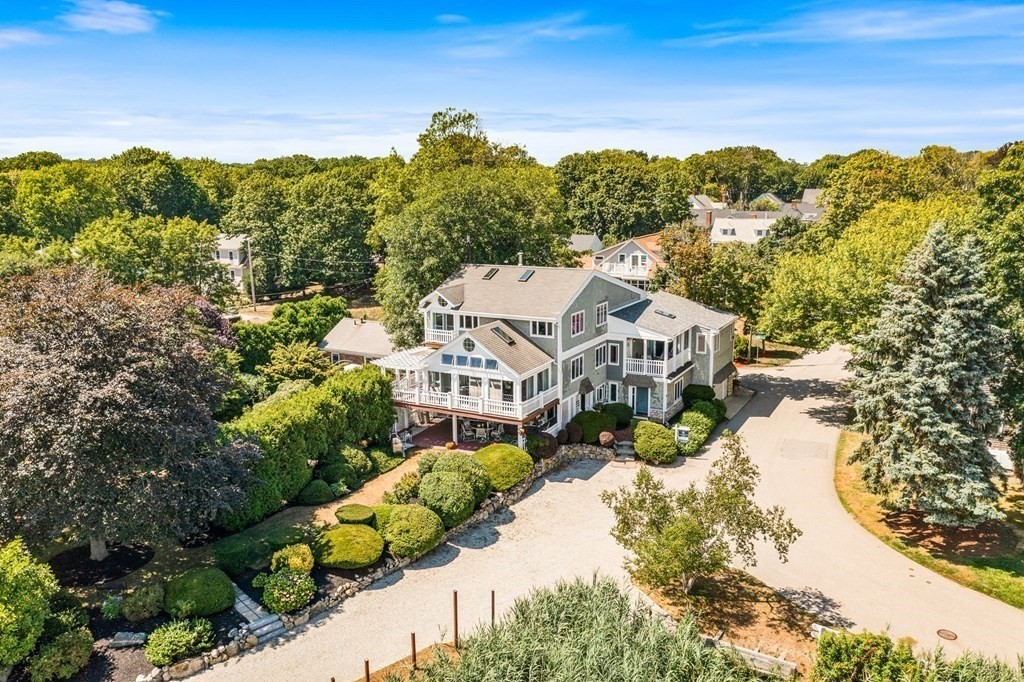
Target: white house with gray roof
point(534, 346)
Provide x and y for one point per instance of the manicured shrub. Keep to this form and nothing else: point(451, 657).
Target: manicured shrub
point(62, 658)
point(286, 590)
point(506, 464)
point(381, 516)
point(67, 613)
point(425, 464)
point(339, 473)
point(384, 460)
point(293, 558)
point(358, 460)
point(562, 436)
point(316, 492)
point(354, 513)
point(179, 639)
point(282, 536)
point(695, 392)
point(143, 602)
point(720, 408)
point(864, 656)
point(368, 395)
point(199, 592)
point(574, 432)
point(593, 423)
point(622, 412)
point(448, 495)
point(348, 546)
point(474, 473)
point(261, 499)
point(705, 408)
point(26, 586)
point(110, 609)
point(548, 447)
point(701, 427)
point(606, 439)
point(654, 443)
point(412, 530)
point(404, 490)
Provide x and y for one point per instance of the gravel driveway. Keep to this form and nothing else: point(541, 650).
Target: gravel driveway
point(560, 530)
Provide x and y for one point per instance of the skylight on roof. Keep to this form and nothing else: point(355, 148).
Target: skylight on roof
point(491, 273)
point(503, 335)
point(665, 313)
point(526, 275)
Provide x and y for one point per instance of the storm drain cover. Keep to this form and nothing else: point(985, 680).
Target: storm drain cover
point(946, 634)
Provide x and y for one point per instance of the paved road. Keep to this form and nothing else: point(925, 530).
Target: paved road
point(561, 530)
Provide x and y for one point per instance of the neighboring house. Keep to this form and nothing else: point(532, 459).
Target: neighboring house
point(769, 196)
point(634, 261)
point(357, 341)
point(231, 254)
point(812, 196)
point(747, 228)
point(585, 243)
point(702, 202)
point(534, 346)
point(804, 210)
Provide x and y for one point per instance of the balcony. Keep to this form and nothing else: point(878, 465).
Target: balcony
point(442, 336)
point(626, 270)
point(651, 368)
point(420, 396)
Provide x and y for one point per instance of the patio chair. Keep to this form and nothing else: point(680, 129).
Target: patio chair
point(481, 433)
point(465, 431)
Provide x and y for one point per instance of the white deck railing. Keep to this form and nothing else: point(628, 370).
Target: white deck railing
point(421, 396)
point(431, 335)
point(651, 368)
point(625, 269)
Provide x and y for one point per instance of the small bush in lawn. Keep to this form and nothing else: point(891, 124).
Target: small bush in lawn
point(695, 392)
point(199, 592)
point(358, 460)
point(425, 464)
point(63, 657)
point(404, 490)
point(384, 460)
point(286, 590)
point(293, 558)
point(622, 412)
point(348, 546)
point(316, 492)
point(143, 602)
point(593, 423)
point(381, 516)
point(470, 469)
point(448, 495)
point(177, 640)
point(412, 530)
point(507, 465)
point(574, 432)
point(339, 473)
point(354, 513)
point(654, 443)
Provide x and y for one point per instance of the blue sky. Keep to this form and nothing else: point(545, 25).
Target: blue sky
point(243, 80)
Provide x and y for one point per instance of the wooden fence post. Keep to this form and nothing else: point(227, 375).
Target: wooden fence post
point(492, 608)
point(455, 615)
point(366, 669)
point(413, 636)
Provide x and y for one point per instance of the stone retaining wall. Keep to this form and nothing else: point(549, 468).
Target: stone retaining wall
point(244, 640)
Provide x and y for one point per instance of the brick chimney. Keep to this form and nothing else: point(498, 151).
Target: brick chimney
point(707, 218)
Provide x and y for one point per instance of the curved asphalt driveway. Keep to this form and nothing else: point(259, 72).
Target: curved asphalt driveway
point(560, 530)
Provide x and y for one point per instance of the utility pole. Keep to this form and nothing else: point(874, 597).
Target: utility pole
point(252, 275)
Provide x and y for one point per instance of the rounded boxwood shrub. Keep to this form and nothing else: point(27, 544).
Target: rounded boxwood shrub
point(358, 460)
point(695, 392)
point(448, 495)
point(701, 427)
point(507, 464)
point(286, 590)
point(199, 592)
point(470, 469)
point(238, 552)
point(293, 558)
point(338, 473)
point(381, 516)
point(143, 602)
point(574, 432)
point(593, 423)
point(316, 492)
point(179, 639)
point(654, 443)
point(404, 489)
point(412, 530)
point(425, 464)
point(63, 657)
point(348, 546)
point(622, 412)
point(562, 437)
point(710, 409)
point(354, 513)
point(281, 537)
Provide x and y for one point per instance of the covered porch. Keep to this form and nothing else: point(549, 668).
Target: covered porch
point(472, 434)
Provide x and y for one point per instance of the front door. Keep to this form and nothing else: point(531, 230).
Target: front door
point(641, 397)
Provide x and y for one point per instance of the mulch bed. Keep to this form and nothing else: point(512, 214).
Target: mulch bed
point(74, 568)
point(990, 539)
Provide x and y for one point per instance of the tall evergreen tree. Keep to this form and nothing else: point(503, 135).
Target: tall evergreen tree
point(921, 387)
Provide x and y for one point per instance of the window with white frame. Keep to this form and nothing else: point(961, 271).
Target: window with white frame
point(576, 368)
point(686, 340)
point(600, 356)
point(468, 322)
point(702, 343)
point(717, 342)
point(601, 393)
point(613, 392)
point(613, 353)
point(544, 380)
point(542, 329)
point(577, 323)
point(601, 315)
point(677, 390)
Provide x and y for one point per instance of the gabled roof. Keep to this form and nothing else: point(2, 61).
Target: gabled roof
point(585, 242)
point(745, 228)
point(682, 314)
point(544, 294)
point(812, 196)
point(368, 338)
point(770, 196)
point(703, 201)
point(651, 243)
point(235, 242)
point(510, 347)
point(803, 210)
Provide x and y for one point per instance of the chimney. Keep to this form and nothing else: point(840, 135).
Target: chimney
point(707, 218)
point(520, 255)
point(793, 203)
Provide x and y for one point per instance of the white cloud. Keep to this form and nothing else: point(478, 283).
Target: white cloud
point(111, 16)
point(9, 37)
point(899, 23)
point(451, 19)
point(500, 40)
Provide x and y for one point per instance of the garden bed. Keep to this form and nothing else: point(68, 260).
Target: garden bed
point(74, 568)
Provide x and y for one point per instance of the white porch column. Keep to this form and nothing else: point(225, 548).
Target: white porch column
point(455, 429)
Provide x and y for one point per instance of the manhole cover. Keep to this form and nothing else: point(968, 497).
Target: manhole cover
point(946, 634)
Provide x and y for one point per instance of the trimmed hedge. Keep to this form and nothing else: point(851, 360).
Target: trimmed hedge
point(412, 530)
point(384, 460)
point(507, 464)
point(448, 495)
point(622, 412)
point(293, 558)
point(348, 546)
point(62, 658)
point(339, 473)
point(425, 464)
point(199, 592)
point(381, 516)
point(179, 639)
point(368, 392)
point(654, 443)
point(315, 493)
point(701, 427)
point(360, 463)
point(712, 409)
point(404, 490)
point(695, 392)
point(354, 513)
point(474, 473)
point(593, 423)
